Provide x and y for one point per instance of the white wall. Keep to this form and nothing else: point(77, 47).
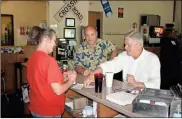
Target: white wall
point(54, 7)
point(132, 11)
point(178, 16)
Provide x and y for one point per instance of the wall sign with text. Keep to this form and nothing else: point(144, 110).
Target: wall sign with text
point(69, 5)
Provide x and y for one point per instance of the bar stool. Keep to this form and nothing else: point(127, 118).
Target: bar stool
point(4, 85)
point(18, 66)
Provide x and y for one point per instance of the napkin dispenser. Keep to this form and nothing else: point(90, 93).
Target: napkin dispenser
point(153, 103)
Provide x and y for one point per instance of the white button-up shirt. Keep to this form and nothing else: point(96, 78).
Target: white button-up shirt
point(146, 68)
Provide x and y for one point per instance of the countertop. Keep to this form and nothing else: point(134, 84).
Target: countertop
point(101, 98)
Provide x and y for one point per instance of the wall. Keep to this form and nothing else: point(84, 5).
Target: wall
point(26, 13)
point(54, 7)
point(178, 16)
point(132, 11)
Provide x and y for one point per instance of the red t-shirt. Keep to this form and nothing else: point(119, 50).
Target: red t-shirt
point(42, 70)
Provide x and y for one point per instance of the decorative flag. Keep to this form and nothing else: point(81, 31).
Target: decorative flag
point(106, 7)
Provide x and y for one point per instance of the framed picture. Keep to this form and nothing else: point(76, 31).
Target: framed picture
point(69, 33)
point(70, 22)
point(120, 12)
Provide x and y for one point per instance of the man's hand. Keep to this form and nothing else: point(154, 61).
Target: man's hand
point(89, 79)
point(130, 79)
point(86, 72)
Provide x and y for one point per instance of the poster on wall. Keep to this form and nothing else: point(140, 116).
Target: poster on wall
point(120, 12)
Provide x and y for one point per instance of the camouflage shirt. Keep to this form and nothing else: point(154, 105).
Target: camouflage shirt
point(90, 60)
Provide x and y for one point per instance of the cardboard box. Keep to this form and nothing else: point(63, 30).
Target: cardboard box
point(79, 102)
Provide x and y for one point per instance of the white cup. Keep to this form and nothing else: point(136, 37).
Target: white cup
point(109, 79)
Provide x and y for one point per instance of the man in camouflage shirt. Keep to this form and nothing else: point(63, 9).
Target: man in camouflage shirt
point(92, 52)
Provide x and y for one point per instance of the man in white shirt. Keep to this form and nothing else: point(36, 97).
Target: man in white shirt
point(141, 68)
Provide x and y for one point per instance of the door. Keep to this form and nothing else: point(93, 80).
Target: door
point(7, 30)
point(96, 19)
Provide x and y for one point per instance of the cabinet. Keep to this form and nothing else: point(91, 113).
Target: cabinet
point(8, 61)
point(155, 50)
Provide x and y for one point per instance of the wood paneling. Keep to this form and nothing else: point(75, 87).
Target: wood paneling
point(8, 61)
point(105, 112)
point(155, 50)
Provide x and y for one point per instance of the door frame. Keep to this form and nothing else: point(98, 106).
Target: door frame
point(101, 22)
point(12, 26)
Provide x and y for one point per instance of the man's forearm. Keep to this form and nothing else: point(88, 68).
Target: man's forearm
point(139, 84)
point(97, 70)
point(114, 54)
point(80, 69)
point(91, 75)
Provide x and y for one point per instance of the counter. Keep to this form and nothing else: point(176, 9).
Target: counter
point(101, 98)
point(105, 108)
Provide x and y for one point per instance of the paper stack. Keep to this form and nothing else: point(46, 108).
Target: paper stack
point(121, 98)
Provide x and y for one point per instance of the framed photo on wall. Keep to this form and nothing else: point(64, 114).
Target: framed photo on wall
point(69, 33)
point(120, 12)
point(70, 22)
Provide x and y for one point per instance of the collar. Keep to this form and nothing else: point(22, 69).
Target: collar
point(86, 45)
point(142, 55)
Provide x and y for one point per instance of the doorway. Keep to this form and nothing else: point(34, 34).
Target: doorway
point(7, 30)
point(96, 19)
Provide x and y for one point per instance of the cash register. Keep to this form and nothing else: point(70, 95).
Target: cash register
point(152, 35)
point(159, 103)
point(155, 34)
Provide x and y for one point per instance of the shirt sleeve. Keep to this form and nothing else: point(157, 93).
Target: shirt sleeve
point(54, 74)
point(154, 80)
point(78, 58)
point(110, 46)
point(115, 65)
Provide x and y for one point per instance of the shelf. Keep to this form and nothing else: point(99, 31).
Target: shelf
point(74, 114)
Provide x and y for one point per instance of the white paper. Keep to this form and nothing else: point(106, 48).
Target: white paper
point(80, 86)
point(77, 86)
point(121, 98)
point(156, 103)
point(25, 95)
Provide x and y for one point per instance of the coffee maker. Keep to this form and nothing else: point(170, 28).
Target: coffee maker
point(65, 49)
point(61, 50)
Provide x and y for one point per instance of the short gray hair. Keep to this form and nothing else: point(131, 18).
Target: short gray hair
point(137, 36)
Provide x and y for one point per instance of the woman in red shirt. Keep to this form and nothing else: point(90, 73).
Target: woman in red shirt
point(47, 85)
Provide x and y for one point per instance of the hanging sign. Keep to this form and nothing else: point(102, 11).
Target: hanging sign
point(106, 7)
point(66, 8)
